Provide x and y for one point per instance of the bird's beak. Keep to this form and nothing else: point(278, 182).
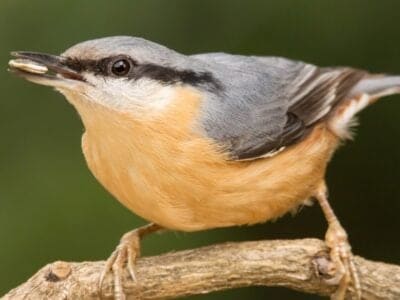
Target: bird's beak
point(45, 69)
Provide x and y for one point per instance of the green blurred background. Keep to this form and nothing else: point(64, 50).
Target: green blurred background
point(52, 208)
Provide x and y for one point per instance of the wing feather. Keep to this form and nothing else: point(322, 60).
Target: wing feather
point(270, 103)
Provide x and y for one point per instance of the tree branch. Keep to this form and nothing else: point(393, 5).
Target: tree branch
point(296, 264)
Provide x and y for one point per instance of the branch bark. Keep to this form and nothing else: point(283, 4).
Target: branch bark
point(296, 264)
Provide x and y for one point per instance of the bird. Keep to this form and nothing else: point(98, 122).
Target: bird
point(202, 141)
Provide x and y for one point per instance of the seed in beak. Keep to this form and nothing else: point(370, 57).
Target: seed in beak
point(28, 66)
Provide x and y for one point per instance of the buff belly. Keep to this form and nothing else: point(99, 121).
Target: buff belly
point(180, 190)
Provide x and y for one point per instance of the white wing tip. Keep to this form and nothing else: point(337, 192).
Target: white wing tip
point(342, 121)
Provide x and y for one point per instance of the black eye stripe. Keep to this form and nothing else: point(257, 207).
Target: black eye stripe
point(166, 75)
point(171, 76)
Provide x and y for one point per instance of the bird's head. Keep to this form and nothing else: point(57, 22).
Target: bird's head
point(120, 73)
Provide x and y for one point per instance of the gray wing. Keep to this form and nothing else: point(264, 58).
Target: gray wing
point(268, 103)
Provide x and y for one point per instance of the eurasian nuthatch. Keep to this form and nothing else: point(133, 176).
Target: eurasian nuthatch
point(193, 142)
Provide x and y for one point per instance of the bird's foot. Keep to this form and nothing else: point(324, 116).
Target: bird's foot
point(125, 255)
point(344, 271)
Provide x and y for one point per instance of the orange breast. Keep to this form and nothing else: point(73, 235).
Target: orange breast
point(164, 170)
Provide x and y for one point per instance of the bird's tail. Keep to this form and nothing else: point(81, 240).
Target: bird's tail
point(377, 86)
point(365, 92)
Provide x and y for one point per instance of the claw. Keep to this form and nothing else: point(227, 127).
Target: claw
point(131, 264)
point(125, 255)
point(117, 268)
point(107, 268)
point(342, 257)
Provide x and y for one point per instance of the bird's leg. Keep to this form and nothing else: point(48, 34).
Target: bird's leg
point(126, 253)
point(344, 271)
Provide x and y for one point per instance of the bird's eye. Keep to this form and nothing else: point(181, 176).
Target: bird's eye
point(121, 67)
